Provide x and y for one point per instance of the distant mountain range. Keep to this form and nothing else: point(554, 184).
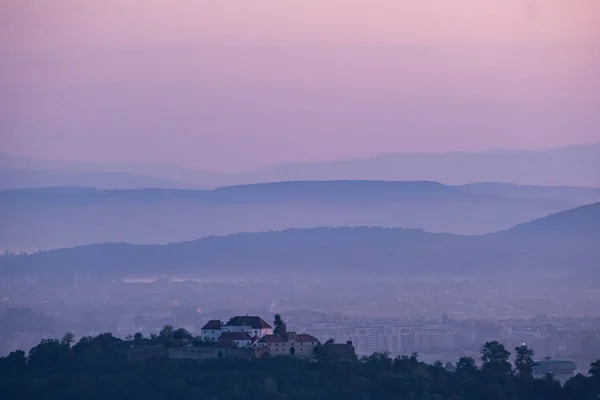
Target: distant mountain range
point(561, 244)
point(48, 218)
point(567, 166)
point(20, 172)
point(28, 178)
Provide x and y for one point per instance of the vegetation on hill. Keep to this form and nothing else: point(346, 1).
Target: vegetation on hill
point(96, 368)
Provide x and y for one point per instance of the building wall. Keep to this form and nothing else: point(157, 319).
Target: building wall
point(301, 349)
point(242, 343)
point(205, 353)
point(210, 335)
point(193, 353)
point(248, 329)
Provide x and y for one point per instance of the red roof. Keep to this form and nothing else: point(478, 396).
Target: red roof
point(253, 322)
point(272, 339)
point(212, 325)
point(305, 337)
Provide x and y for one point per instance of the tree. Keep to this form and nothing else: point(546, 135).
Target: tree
point(495, 356)
point(96, 368)
point(67, 339)
point(182, 334)
point(595, 376)
point(595, 369)
point(166, 332)
point(524, 362)
point(280, 327)
point(578, 387)
point(466, 366)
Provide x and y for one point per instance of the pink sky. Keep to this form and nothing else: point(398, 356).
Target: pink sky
point(236, 84)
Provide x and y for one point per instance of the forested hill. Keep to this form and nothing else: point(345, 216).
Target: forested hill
point(562, 243)
point(97, 368)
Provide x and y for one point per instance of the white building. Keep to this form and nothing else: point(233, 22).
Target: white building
point(211, 331)
point(236, 339)
point(255, 327)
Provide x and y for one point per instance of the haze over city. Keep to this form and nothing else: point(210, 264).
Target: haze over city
point(260, 199)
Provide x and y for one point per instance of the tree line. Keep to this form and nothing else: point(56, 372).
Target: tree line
point(97, 368)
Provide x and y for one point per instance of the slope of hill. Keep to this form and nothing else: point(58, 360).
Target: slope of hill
point(572, 194)
point(582, 221)
point(562, 244)
point(63, 217)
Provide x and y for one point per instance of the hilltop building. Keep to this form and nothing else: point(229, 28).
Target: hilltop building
point(290, 344)
point(254, 326)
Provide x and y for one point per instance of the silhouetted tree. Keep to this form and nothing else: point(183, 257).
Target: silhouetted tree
point(524, 362)
point(96, 368)
point(166, 332)
point(67, 339)
point(280, 328)
point(494, 355)
point(466, 366)
point(182, 334)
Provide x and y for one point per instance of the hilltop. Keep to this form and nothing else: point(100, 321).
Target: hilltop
point(79, 216)
point(561, 244)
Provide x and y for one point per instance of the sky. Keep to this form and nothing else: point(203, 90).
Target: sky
point(233, 85)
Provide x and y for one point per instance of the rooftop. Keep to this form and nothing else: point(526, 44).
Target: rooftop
point(213, 324)
point(253, 322)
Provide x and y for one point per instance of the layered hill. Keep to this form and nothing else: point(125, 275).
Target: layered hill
point(573, 165)
point(47, 218)
point(562, 244)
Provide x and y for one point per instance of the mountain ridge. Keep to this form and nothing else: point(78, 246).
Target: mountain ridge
point(158, 216)
point(574, 165)
point(357, 250)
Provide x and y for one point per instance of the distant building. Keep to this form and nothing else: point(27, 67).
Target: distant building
point(561, 370)
point(290, 344)
point(340, 351)
point(211, 352)
point(236, 339)
point(253, 326)
point(211, 331)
